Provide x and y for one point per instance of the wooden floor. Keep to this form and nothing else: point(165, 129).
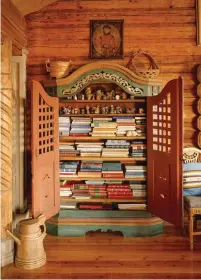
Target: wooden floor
point(110, 256)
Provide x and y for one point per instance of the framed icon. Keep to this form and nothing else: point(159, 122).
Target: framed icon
point(106, 39)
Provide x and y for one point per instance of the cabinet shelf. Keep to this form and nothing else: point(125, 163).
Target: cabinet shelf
point(104, 101)
point(103, 200)
point(126, 159)
point(67, 138)
point(102, 115)
point(63, 177)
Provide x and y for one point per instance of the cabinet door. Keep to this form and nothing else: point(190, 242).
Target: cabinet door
point(164, 153)
point(45, 153)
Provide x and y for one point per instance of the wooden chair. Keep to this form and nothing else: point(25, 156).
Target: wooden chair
point(192, 204)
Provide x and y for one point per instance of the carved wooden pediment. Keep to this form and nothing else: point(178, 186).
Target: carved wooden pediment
point(103, 72)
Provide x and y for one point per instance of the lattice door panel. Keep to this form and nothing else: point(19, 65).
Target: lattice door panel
point(164, 152)
point(45, 153)
point(162, 125)
point(46, 120)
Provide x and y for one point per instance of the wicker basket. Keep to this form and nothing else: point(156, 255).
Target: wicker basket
point(150, 73)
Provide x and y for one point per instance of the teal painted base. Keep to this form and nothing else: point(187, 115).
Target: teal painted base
point(79, 222)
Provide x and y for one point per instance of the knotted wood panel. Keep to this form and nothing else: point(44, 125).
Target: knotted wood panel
point(6, 137)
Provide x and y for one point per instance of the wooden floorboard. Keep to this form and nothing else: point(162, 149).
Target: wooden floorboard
point(111, 256)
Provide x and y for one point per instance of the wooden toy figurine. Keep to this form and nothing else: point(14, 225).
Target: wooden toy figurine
point(88, 93)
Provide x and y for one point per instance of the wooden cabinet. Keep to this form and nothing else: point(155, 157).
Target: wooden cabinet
point(164, 139)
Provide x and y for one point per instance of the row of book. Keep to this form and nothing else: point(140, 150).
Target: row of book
point(108, 148)
point(102, 206)
point(102, 126)
point(99, 169)
point(110, 191)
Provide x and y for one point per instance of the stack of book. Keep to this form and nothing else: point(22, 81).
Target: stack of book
point(68, 168)
point(116, 148)
point(114, 152)
point(135, 171)
point(141, 125)
point(81, 195)
point(119, 191)
point(97, 191)
point(132, 206)
point(67, 204)
point(89, 149)
point(139, 148)
point(117, 144)
point(90, 169)
point(124, 124)
point(68, 149)
point(103, 126)
point(94, 182)
point(112, 170)
point(139, 189)
point(65, 188)
point(64, 126)
point(80, 126)
point(80, 190)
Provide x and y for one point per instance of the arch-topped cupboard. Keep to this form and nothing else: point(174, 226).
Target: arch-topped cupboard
point(149, 119)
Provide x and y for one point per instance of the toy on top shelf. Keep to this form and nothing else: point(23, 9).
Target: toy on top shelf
point(97, 109)
point(106, 92)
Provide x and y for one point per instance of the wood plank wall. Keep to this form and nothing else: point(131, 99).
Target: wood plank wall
point(166, 29)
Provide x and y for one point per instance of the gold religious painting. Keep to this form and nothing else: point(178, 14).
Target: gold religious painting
point(106, 39)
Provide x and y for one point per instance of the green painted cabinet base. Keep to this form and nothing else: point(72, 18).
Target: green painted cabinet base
point(79, 222)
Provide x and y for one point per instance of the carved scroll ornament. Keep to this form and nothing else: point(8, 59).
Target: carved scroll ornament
point(103, 75)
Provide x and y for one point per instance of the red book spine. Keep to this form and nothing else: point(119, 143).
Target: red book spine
point(98, 192)
point(120, 193)
point(118, 186)
point(90, 206)
point(96, 186)
point(120, 197)
point(79, 134)
point(119, 190)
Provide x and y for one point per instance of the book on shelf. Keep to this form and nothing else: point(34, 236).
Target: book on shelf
point(68, 175)
point(67, 205)
point(78, 134)
point(102, 119)
point(67, 194)
point(80, 187)
point(93, 182)
point(93, 206)
point(132, 206)
point(98, 186)
point(104, 124)
point(75, 191)
point(89, 174)
point(106, 175)
point(92, 154)
point(81, 196)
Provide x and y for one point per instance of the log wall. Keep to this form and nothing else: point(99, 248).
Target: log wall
point(166, 29)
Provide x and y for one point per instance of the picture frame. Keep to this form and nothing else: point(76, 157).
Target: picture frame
point(106, 39)
point(198, 21)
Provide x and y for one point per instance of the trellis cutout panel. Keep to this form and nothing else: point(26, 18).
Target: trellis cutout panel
point(46, 127)
point(162, 125)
